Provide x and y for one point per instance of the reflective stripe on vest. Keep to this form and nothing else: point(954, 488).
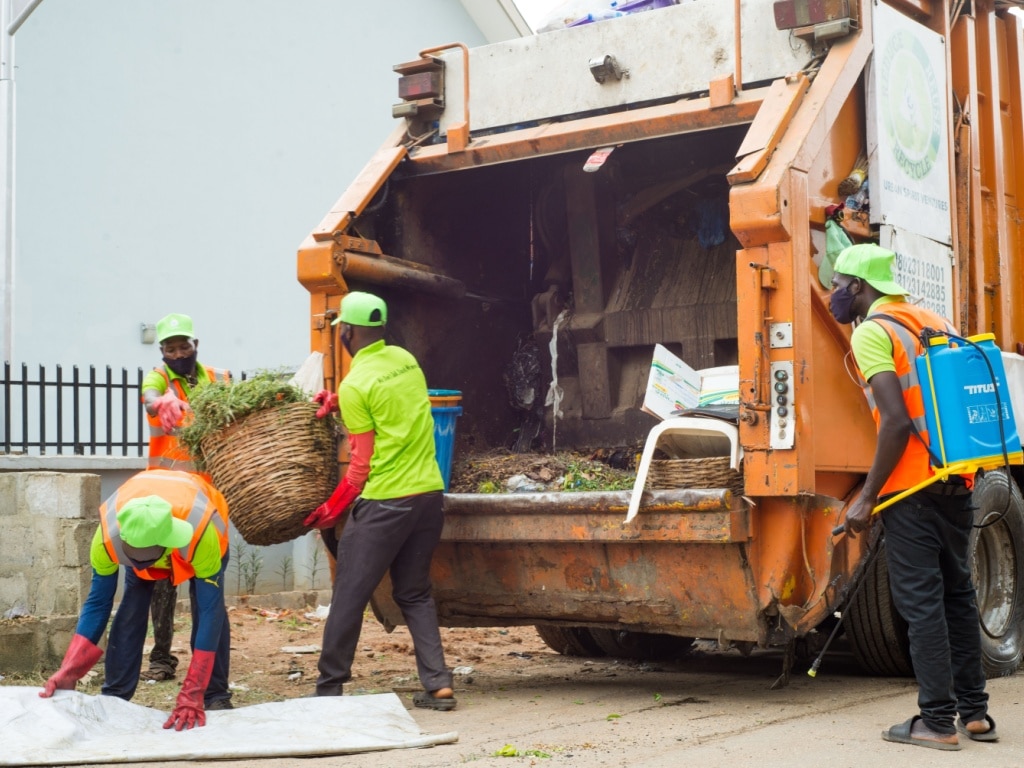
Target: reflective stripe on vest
point(192, 499)
point(915, 465)
point(165, 450)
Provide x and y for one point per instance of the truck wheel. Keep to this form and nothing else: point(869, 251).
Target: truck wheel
point(642, 646)
point(997, 563)
point(568, 641)
point(877, 633)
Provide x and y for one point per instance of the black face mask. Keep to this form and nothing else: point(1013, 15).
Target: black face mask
point(841, 304)
point(183, 366)
point(346, 340)
point(141, 565)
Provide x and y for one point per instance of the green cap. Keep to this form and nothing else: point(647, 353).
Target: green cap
point(174, 325)
point(147, 521)
point(873, 265)
point(358, 308)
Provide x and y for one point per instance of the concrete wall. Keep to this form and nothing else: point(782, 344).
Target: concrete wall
point(47, 520)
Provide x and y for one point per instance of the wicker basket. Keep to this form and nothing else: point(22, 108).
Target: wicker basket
point(712, 472)
point(274, 467)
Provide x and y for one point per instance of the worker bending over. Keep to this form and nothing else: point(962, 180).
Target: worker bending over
point(160, 524)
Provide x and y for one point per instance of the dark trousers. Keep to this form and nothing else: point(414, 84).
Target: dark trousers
point(165, 600)
point(927, 550)
point(123, 660)
point(396, 535)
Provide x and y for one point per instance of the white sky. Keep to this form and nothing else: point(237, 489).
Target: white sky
point(536, 12)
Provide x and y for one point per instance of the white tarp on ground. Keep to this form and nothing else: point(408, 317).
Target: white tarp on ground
point(75, 728)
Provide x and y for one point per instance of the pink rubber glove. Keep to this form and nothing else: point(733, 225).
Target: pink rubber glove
point(81, 656)
point(188, 710)
point(328, 403)
point(169, 409)
point(327, 514)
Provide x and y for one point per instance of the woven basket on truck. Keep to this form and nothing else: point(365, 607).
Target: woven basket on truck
point(709, 472)
point(274, 467)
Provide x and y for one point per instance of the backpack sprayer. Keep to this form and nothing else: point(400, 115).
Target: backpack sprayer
point(969, 422)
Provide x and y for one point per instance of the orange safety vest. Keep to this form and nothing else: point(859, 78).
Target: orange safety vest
point(165, 450)
point(191, 499)
point(915, 465)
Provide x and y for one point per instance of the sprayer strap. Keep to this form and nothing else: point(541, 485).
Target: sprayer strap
point(936, 462)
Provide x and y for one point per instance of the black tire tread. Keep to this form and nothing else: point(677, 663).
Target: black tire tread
point(877, 633)
point(569, 641)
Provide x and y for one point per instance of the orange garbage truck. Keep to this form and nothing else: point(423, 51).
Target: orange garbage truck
point(574, 204)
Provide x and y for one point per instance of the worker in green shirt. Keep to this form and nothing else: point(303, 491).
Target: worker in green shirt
point(394, 489)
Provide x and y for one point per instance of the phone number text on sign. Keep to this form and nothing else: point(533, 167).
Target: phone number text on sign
point(926, 280)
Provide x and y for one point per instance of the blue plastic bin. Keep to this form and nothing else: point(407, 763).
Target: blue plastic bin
point(444, 405)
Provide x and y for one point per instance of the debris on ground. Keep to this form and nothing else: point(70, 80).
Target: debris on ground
point(502, 471)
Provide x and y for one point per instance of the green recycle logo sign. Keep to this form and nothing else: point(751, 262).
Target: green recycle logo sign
point(910, 104)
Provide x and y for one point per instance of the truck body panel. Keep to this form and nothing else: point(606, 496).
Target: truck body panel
point(700, 227)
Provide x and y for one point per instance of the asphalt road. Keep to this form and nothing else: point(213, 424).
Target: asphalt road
point(711, 710)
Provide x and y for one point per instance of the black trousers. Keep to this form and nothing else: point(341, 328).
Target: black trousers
point(397, 536)
point(165, 600)
point(927, 541)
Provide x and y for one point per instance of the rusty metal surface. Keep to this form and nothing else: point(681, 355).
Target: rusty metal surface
point(603, 130)
point(647, 587)
point(399, 273)
point(710, 516)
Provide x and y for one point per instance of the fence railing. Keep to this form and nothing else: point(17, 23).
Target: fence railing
point(86, 413)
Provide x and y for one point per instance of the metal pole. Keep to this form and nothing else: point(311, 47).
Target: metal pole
point(7, 176)
point(13, 14)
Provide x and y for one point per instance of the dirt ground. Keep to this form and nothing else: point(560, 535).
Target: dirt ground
point(274, 654)
point(521, 704)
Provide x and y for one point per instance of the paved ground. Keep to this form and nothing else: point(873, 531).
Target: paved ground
point(713, 710)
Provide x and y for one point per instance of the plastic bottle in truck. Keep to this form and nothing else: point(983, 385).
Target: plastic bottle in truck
point(662, 181)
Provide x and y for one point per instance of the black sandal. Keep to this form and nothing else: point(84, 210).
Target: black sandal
point(425, 700)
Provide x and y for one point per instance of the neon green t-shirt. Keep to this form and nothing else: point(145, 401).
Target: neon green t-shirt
point(205, 560)
point(385, 391)
point(155, 380)
point(872, 347)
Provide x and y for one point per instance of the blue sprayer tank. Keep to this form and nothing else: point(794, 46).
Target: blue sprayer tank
point(960, 402)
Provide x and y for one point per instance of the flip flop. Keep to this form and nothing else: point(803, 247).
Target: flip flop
point(900, 734)
point(424, 700)
point(989, 735)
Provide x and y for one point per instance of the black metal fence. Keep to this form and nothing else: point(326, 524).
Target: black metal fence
point(85, 414)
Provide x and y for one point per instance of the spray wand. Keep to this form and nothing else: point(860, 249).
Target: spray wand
point(813, 671)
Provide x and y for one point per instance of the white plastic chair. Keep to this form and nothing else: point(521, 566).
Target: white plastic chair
point(686, 437)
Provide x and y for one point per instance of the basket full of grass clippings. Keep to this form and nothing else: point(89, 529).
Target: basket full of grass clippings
point(264, 448)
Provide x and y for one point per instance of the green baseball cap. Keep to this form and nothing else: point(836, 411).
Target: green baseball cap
point(358, 308)
point(174, 325)
point(872, 264)
point(148, 521)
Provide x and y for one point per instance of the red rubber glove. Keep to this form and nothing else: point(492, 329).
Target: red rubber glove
point(327, 514)
point(328, 402)
point(169, 409)
point(82, 655)
point(188, 710)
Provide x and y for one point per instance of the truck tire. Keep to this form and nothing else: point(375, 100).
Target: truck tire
point(642, 646)
point(569, 641)
point(997, 563)
point(876, 631)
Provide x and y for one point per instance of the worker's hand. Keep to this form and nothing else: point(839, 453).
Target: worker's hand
point(168, 409)
point(327, 514)
point(858, 516)
point(328, 403)
point(81, 656)
point(188, 710)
